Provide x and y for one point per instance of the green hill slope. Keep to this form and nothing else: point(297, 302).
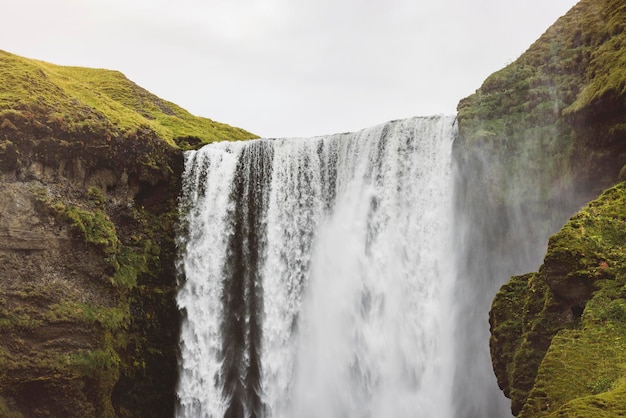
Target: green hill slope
point(76, 100)
point(558, 334)
point(90, 172)
point(538, 140)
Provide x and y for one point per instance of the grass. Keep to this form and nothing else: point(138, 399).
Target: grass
point(532, 115)
point(80, 121)
point(551, 362)
point(579, 60)
point(71, 311)
point(7, 411)
point(78, 100)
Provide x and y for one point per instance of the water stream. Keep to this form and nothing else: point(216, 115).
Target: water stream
point(320, 276)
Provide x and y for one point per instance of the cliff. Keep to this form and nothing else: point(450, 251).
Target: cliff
point(561, 102)
point(558, 334)
point(538, 140)
point(90, 167)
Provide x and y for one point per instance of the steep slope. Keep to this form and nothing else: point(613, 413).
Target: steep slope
point(538, 140)
point(76, 100)
point(558, 335)
point(561, 103)
point(90, 168)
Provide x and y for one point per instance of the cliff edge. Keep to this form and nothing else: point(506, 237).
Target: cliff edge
point(558, 335)
point(90, 168)
point(540, 139)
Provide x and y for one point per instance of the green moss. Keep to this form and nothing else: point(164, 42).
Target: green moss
point(129, 263)
point(93, 363)
point(103, 366)
point(579, 364)
point(578, 58)
point(122, 350)
point(544, 117)
point(97, 229)
point(8, 411)
point(114, 318)
point(95, 194)
point(539, 323)
point(506, 329)
point(608, 404)
point(95, 226)
point(606, 71)
point(567, 354)
point(19, 318)
point(79, 100)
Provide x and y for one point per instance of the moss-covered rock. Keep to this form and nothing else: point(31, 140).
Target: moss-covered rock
point(557, 113)
point(44, 98)
point(537, 141)
point(559, 335)
point(90, 171)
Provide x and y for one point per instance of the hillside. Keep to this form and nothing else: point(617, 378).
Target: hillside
point(76, 100)
point(537, 141)
point(90, 173)
point(561, 103)
point(558, 334)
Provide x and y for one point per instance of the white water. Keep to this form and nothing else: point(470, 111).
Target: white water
point(349, 301)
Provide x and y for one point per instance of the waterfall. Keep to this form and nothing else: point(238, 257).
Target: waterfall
point(319, 275)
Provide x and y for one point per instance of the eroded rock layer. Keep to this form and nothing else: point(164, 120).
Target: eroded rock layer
point(90, 168)
point(538, 140)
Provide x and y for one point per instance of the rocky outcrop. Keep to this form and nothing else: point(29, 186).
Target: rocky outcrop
point(538, 140)
point(557, 340)
point(88, 220)
point(553, 120)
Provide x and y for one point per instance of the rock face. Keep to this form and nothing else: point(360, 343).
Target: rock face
point(557, 340)
point(555, 116)
point(538, 140)
point(88, 219)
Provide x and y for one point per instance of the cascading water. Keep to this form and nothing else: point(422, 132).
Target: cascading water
point(319, 275)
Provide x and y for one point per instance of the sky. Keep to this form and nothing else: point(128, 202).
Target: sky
point(281, 68)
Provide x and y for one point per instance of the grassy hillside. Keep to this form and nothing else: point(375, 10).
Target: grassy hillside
point(561, 103)
point(537, 141)
point(558, 334)
point(90, 172)
point(578, 62)
point(76, 100)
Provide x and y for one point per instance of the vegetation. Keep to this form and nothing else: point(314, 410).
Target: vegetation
point(578, 61)
point(114, 329)
point(538, 139)
point(95, 227)
point(558, 335)
point(554, 117)
point(75, 100)
point(605, 75)
point(108, 154)
point(90, 316)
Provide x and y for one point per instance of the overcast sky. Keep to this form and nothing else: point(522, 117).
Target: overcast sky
point(287, 67)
